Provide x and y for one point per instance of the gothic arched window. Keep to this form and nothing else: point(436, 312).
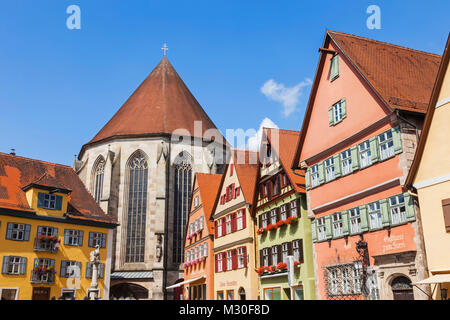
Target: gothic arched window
point(182, 198)
point(137, 168)
point(97, 178)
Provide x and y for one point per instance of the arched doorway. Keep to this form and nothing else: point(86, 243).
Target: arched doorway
point(128, 290)
point(241, 293)
point(402, 288)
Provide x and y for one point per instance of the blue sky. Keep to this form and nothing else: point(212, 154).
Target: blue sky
point(58, 87)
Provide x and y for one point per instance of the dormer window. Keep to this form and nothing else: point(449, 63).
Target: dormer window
point(337, 112)
point(49, 201)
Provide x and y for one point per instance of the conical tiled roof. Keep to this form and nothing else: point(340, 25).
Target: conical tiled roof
point(161, 104)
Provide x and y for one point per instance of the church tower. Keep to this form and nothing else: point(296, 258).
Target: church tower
point(140, 169)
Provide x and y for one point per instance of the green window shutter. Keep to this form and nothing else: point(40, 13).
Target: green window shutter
point(308, 179)
point(344, 108)
point(88, 270)
point(355, 157)
point(40, 202)
point(329, 230)
point(23, 265)
point(337, 165)
point(9, 230)
point(345, 222)
point(409, 205)
point(101, 270)
point(334, 69)
point(27, 232)
point(91, 239)
point(396, 136)
point(313, 230)
point(103, 242)
point(5, 265)
point(330, 116)
point(321, 170)
point(79, 269)
point(385, 216)
point(58, 203)
point(363, 216)
point(374, 149)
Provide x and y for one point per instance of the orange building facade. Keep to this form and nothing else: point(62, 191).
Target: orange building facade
point(199, 243)
point(357, 143)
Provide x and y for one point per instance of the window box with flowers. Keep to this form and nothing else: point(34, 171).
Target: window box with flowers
point(297, 264)
point(282, 266)
point(44, 271)
point(271, 227)
point(280, 223)
point(261, 231)
point(291, 220)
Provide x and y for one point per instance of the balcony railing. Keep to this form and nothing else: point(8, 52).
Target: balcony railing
point(43, 277)
point(46, 244)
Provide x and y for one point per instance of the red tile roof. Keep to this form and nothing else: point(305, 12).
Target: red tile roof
point(161, 104)
point(285, 149)
point(404, 77)
point(208, 185)
point(16, 173)
point(247, 172)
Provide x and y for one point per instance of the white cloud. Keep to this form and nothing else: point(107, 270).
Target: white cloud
point(254, 141)
point(289, 97)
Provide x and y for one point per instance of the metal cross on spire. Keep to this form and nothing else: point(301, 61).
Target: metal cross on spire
point(164, 48)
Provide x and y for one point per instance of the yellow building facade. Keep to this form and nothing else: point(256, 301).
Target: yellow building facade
point(429, 178)
point(49, 225)
point(235, 275)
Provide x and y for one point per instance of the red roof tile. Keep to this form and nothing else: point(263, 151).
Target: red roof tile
point(161, 104)
point(18, 172)
point(247, 168)
point(285, 149)
point(404, 77)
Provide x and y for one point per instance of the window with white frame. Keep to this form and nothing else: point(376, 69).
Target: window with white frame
point(283, 212)
point(49, 201)
point(329, 169)
point(294, 208)
point(321, 229)
point(296, 250)
point(375, 218)
point(273, 216)
point(333, 274)
point(285, 251)
point(265, 219)
point(398, 209)
point(16, 231)
point(228, 224)
point(13, 265)
point(345, 281)
point(219, 227)
point(205, 249)
point(73, 237)
point(241, 257)
point(266, 255)
point(365, 154)
point(355, 220)
point(200, 223)
point(337, 112)
point(386, 144)
point(195, 201)
point(356, 278)
point(275, 255)
point(229, 260)
point(240, 219)
point(346, 161)
point(219, 262)
point(337, 224)
point(315, 175)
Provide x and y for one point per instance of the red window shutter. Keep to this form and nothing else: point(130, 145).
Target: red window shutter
point(244, 219)
point(234, 258)
point(233, 222)
point(233, 194)
point(224, 261)
point(238, 192)
point(244, 250)
point(215, 229)
point(231, 169)
point(224, 224)
point(216, 262)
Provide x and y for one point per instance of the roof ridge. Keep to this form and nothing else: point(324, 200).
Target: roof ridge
point(384, 43)
point(35, 160)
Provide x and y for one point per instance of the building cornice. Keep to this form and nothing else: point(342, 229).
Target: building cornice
point(234, 243)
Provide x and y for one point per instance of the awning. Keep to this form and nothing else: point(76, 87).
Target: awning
point(437, 278)
point(184, 282)
point(132, 275)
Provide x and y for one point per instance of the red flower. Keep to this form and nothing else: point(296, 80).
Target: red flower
point(260, 230)
point(261, 270)
point(280, 223)
point(271, 227)
point(281, 266)
point(292, 220)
